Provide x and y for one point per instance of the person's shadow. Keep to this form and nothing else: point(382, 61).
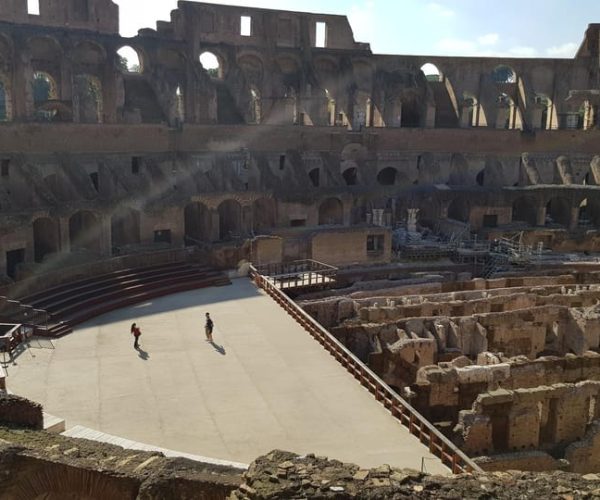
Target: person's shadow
point(143, 354)
point(219, 348)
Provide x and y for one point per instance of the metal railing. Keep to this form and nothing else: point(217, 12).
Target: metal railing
point(438, 444)
point(299, 273)
point(18, 312)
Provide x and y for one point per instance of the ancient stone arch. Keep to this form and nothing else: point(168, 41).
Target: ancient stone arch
point(45, 237)
point(459, 210)
point(524, 209)
point(125, 228)
point(230, 219)
point(558, 211)
point(387, 176)
point(85, 231)
point(331, 211)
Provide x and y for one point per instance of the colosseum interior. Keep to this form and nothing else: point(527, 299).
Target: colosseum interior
point(457, 199)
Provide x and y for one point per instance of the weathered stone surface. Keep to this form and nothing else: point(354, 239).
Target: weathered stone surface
point(388, 483)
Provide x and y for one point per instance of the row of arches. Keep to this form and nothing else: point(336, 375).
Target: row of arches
point(555, 212)
point(324, 102)
point(230, 220)
point(201, 224)
point(91, 232)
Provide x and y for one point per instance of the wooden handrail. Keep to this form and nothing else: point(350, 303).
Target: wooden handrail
point(417, 425)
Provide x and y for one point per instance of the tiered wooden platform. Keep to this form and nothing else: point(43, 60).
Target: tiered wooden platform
point(79, 301)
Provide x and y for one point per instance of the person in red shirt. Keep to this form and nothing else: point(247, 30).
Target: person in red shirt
point(136, 332)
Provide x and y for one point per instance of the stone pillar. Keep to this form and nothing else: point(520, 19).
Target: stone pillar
point(570, 413)
point(22, 96)
point(574, 218)
point(535, 116)
point(394, 113)
point(247, 222)
point(477, 433)
point(65, 92)
point(64, 242)
point(109, 95)
point(430, 116)
point(524, 421)
point(502, 115)
point(541, 216)
point(214, 225)
point(105, 236)
point(465, 116)
point(347, 213)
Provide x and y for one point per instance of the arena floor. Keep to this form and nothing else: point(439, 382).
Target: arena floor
point(263, 384)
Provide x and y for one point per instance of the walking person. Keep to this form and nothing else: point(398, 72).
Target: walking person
point(136, 332)
point(208, 328)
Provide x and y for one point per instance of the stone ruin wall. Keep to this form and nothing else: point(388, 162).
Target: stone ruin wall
point(508, 368)
point(40, 465)
point(141, 165)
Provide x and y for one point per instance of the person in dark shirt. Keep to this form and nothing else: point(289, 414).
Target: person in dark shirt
point(208, 327)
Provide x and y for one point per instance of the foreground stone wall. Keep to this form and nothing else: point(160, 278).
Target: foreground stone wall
point(42, 465)
point(285, 475)
point(15, 410)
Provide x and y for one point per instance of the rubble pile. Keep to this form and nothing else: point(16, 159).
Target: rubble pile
point(284, 475)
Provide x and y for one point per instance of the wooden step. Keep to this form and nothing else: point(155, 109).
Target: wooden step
point(68, 317)
point(115, 274)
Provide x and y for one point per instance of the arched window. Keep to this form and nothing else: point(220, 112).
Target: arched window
point(480, 178)
point(459, 210)
point(431, 72)
point(331, 212)
point(387, 176)
point(230, 220)
point(45, 100)
point(504, 74)
point(350, 176)
point(544, 104)
point(88, 91)
point(210, 62)
point(129, 60)
point(584, 215)
point(44, 87)
point(45, 238)
point(524, 211)
point(558, 212)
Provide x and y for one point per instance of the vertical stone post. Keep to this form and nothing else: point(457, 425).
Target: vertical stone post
point(541, 216)
point(214, 225)
point(64, 241)
point(574, 218)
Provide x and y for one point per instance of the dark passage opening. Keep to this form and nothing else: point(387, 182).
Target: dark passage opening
point(13, 259)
